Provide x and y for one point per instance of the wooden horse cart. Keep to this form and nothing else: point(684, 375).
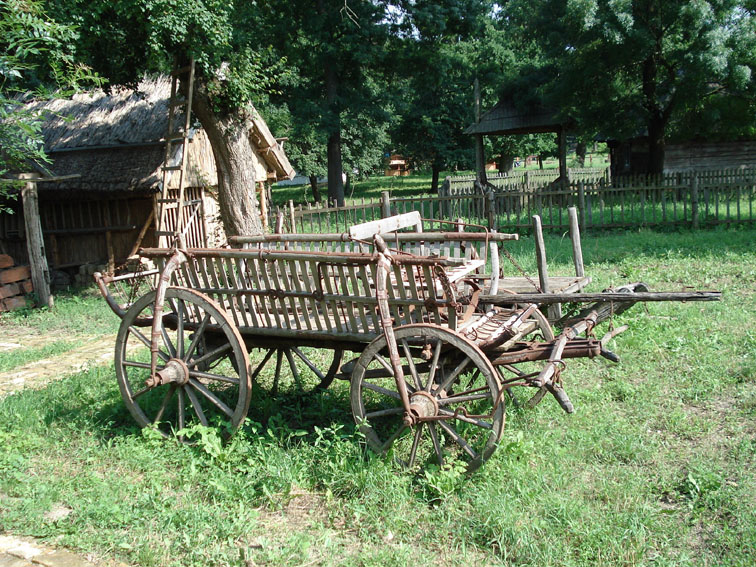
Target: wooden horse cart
point(439, 349)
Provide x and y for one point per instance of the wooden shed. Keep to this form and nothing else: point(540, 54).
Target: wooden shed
point(114, 143)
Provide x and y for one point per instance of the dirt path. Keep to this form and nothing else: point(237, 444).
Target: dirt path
point(94, 351)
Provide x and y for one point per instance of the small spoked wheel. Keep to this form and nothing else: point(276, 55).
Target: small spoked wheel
point(454, 393)
point(515, 377)
point(203, 366)
point(295, 370)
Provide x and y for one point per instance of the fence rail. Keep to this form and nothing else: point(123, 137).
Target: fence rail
point(693, 199)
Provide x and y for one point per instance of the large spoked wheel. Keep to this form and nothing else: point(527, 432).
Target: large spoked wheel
point(454, 392)
point(296, 371)
point(515, 377)
point(203, 365)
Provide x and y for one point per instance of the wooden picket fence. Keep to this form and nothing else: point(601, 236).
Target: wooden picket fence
point(693, 199)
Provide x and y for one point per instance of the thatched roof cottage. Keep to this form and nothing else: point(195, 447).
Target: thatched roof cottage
point(114, 143)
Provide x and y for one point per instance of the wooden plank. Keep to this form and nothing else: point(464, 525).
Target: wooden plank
point(16, 274)
point(390, 224)
point(556, 298)
point(5, 261)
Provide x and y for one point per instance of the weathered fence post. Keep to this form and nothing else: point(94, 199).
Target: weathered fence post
point(490, 211)
point(555, 310)
point(385, 204)
point(291, 217)
point(581, 203)
point(694, 200)
point(35, 243)
point(577, 249)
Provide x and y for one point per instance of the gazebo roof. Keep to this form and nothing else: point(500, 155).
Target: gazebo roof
point(507, 118)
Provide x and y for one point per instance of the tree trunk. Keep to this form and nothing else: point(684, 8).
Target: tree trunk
point(580, 150)
point(435, 171)
point(234, 159)
point(506, 163)
point(315, 188)
point(335, 168)
point(656, 127)
point(540, 161)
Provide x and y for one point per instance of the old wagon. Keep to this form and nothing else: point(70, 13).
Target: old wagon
point(438, 349)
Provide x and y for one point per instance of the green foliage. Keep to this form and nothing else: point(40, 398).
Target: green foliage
point(35, 58)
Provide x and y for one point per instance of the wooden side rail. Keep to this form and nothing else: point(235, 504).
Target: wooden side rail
point(325, 295)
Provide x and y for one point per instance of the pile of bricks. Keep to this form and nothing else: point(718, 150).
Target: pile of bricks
point(15, 282)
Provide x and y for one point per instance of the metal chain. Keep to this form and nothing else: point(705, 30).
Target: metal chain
point(516, 265)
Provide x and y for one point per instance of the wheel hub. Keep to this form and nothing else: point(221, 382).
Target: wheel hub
point(422, 406)
point(175, 370)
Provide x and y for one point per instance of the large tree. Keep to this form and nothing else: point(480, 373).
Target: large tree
point(338, 50)
point(123, 40)
point(636, 66)
point(35, 61)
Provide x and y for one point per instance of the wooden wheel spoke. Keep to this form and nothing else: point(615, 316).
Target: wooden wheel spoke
point(384, 412)
point(181, 410)
point(137, 364)
point(164, 404)
point(309, 363)
point(146, 342)
point(466, 396)
point(434, 366)
point(411, 364)
point(167, 340)
point(293, 367)
point(214, 377)
point(212, 355)
point(415, 444)
point(211, 397)
point(180, 314)
point(196, 406)
point(390, 441)
point(262, 364)
point(466, 419)
point(436, 444)
point(382, 390)
point(458, 439)
point(277, 376)
point(196, 338)
point(453, 375)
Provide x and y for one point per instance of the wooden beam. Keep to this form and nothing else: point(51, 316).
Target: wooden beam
point(35, 243)
point(577, 249)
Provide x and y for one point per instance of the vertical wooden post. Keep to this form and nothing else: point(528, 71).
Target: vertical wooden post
point(385, 204)
point(490, 212)
point(694, 200)
point(555, 311)
point(291, 217)
point(581, 203)
point(35, 243)
point(263, 205)
point(577, 250)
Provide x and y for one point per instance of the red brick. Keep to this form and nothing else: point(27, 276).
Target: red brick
point(15, 274)
point(5, 261)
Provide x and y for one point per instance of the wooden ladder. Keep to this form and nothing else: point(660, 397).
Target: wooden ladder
point(177, 136)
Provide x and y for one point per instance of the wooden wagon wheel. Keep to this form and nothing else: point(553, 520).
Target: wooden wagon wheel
point(297, 370)
point(451, 382)
point(527, 396)
point(203, 365)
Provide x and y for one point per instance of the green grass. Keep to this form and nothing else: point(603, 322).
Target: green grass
point(657, 467)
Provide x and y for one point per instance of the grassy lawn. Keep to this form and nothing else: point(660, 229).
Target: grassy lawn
point(656, 467)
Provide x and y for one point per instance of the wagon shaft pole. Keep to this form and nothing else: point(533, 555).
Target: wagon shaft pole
point(549, 298)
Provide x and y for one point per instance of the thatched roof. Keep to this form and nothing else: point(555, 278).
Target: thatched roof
point(507, 118)
point(113, 141)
